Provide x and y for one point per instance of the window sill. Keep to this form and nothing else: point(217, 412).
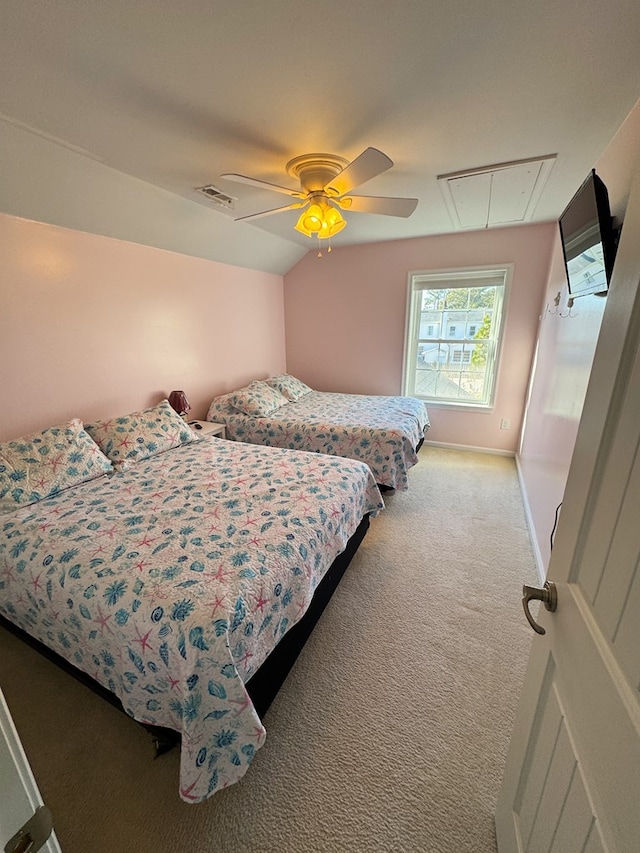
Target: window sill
point(457, 407)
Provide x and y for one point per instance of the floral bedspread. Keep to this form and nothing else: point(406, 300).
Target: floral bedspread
point(381, 431)
point(171, 582)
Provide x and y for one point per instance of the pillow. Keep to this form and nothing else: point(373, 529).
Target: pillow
point(289, 386)
point(139, 435)
point(221, 408)
point(257, 399)
point(44, 463)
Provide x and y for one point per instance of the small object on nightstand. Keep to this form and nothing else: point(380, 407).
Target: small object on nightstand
point(208, 429)
point(178, 401)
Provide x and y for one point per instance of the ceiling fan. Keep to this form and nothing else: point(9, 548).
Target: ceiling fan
point(326, 182)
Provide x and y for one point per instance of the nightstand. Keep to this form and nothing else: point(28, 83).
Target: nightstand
point(208, 429)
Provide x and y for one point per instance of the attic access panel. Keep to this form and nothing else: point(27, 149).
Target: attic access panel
point(503, 194)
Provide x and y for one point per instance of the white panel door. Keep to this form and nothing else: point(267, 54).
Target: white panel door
point(19, 795)
point(572, 781)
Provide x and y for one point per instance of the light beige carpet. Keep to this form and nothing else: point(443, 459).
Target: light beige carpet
point(391, 731)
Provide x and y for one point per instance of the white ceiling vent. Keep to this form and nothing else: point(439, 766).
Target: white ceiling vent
point(217, 197)
point(495, 195)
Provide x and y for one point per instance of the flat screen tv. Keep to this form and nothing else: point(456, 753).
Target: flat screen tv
point(588, 239)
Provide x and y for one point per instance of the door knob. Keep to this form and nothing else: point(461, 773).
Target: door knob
point(33, 835)
point(548, 596)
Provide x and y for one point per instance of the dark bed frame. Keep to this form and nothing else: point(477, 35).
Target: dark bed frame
point(265, 683)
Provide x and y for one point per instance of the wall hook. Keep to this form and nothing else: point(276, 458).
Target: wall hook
point(570, 302)
point(556, 303)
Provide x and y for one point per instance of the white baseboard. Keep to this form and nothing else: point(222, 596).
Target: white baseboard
point(471, 448)
point(537, 555)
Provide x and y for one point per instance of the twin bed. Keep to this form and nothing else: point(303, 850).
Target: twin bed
point(180, 574)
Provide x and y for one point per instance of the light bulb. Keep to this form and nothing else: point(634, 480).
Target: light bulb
point(310, 221)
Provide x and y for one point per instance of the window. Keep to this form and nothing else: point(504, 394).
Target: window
point(469, 305)
point(431, 331)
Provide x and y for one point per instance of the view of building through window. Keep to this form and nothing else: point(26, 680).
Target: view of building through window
point(453, 336)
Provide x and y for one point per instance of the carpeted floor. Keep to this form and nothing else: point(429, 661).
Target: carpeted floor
point(391, 731)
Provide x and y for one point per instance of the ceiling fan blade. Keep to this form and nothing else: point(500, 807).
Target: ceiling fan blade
point(374, 204)
point(264, 185)
point(366, 166)
point(293, 206)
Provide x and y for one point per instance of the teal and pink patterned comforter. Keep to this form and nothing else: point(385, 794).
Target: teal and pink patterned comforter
point(171, 582)
point(382, 431)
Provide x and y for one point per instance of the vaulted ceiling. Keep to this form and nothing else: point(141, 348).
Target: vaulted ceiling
point(175, 94)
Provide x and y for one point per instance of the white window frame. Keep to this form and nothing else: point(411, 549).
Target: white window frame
point(463, 277)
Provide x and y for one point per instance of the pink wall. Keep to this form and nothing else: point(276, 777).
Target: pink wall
point(345, 319)
point(566, 346)
point(565, 354)
point(95, 327)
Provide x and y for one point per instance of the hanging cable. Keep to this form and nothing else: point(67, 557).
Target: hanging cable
point(555, 524)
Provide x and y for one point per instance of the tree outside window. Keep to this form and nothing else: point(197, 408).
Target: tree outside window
point(479, 353)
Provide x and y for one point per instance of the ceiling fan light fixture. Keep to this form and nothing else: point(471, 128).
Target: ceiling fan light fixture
point(322, 220)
